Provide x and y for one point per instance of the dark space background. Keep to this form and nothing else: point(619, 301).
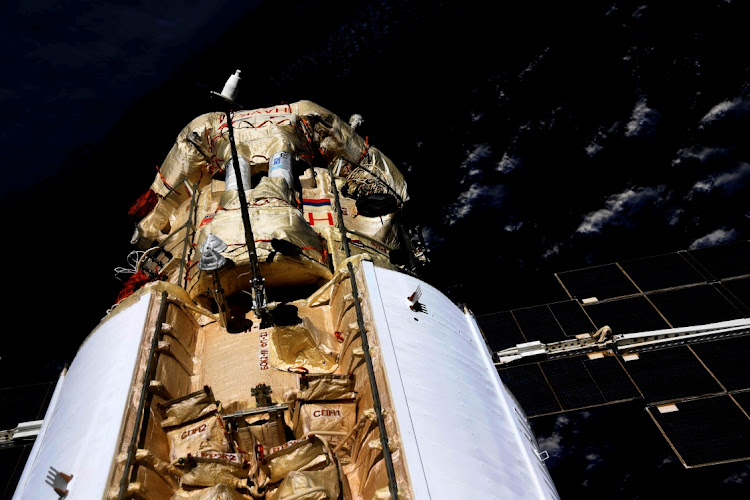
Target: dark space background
point(536, 137)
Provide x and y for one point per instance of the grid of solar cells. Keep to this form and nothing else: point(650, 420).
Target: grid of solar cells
point(602, 282)
point(668, 374)
point(728, 360)
point(634, 314)
point(695, 305)
point(740, 289)
point(661, 271)
point(12, 462)
point(500, 330)
point(572, 383)
point(24, 403)
point(743, 399)
point(528, 385)
point(612, 379)
point(725, 261)
point(580, 382)
point(572, 318)
point(538, 323)
point(707, 430)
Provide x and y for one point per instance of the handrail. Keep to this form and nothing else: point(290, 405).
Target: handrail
point(392, 485)
point(141, 423)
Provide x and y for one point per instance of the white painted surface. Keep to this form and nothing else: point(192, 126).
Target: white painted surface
point(81, 431)
point(461, 430)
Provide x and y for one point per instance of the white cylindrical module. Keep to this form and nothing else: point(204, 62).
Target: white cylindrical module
point(231, 178)
point(281, 166)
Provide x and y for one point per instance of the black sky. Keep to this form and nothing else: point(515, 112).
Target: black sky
point(536, 137)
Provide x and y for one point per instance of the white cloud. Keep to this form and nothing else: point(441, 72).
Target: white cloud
point(716, 237)
point(533, 64)
point(594, 459)
point(724, 107)
point(700, 153)
point(642, 121)
point(728, 182)
point(674, 219)
point(480, 152)
point(507, 164)
point(477, 196)
point(513, 227)
point(593, 148)
point(736, 479)
point(617, 208)
point(551, 251)
point(552, 444)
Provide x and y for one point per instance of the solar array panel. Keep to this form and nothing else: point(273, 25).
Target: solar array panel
point(728, 361)
point(659, 272)
point(546, 323)
point(12, 461)
point(572, 318)
point(670, 374)
point(569, 383)
point(695, 305)
point(739, 290)
point(24, 403)
point(500, 330)
point(530, 387)
point(653, 293)
point(724, 261)
point(633, 314)
point(743, 399)
point(19, 404)
point(705, 431)
point(538, 323)
point(601, 282)
point(698, 392)
point(662, 271)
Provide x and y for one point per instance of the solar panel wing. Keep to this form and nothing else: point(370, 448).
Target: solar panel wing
point(529, 386)
point(661, 271)
point(742, 399)
point(571, 317)
point(584, 381)
point(572, 383)
point(695, 305)
point(24, 403)
point(724, 261)
point(602, 282)
point(740, 290)
point(705, 431)
point(12, 461)
point(669, 374)
point(612, 378)
point(500, 330)
point(538, 323)
point(728, 360)
point(629, 315)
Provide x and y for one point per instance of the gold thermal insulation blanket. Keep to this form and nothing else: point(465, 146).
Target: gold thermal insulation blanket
point(206, 434)
point(212, 471)
point(320, 484)
point(217, 492)
point(234, 364)
point(293, 348)
point(337, 139)
point(326, 387)
point(332, 420)
point(303, 454)
point(188, 408)
point(202, 150)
